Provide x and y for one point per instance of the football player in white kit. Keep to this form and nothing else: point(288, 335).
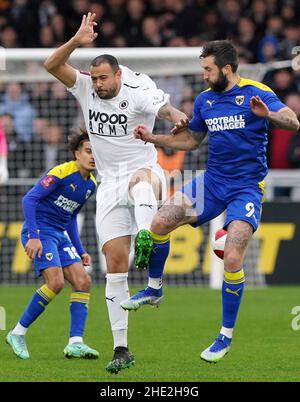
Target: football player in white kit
point(114, 100)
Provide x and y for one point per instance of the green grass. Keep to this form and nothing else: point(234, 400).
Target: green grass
point(166, 341)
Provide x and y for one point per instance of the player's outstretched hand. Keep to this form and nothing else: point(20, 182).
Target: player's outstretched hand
point(86, 259)
point(258, 107)
point(85, 34)
point(141, 132)
point(181, 125)
point(34, 247)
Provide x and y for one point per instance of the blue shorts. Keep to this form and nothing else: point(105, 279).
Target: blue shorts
point(58, 250)
point(211, 196)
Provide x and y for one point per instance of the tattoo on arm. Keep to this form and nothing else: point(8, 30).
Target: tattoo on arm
point(285, 119)
point(199, 137)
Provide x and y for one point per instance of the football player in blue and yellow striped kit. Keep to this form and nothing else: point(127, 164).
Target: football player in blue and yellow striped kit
point(50, 209)
point(235, 112)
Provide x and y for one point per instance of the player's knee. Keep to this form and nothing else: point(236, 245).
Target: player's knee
point(56, 284)
point(160, 226)
point(117, 263)
point(232, 261)
point(83, 282)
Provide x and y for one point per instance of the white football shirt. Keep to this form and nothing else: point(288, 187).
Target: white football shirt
point(110, 122)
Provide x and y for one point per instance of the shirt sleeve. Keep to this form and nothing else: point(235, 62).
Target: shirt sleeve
point(197, 124)
point(271, 100)
point(43, 187)
point(81, 86)
point(150, 100)
point(73, 233)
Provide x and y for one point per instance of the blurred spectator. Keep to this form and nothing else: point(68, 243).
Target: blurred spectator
point(32, 23)
point(294, 151)
point(16, 103)
point(280, 148)
point(47, 9)
point(258, 13)
point(3, 156)
point(135, 14)
point(269, 49)
point(17, 149)
point(151, 34)
point(115, 11)
point(107, 33)
point(54, 147)
point(180, 19)
point(98, 9)
point(9, 37)
point(283, 83)
point(48, 147)
point(60, 107)
point(291, 39)
point(173, 85)
point(288, 13)
point(77, 9)
point(24, 17)
point(247, 38)
point(39, 96)
point(156, 7)
point(211, 26)
point(230, 11)
point(57, 24)
point(46, 37)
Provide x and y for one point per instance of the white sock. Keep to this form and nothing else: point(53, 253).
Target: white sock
point(19, 330)
point(145, 204)
point(155, 283)
point(75, 339)
point(116, 291)
point(227, 332)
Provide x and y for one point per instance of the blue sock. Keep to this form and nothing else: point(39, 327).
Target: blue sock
point(79, 311)
point(232, 293)
point(161, 248)
point(36, 306)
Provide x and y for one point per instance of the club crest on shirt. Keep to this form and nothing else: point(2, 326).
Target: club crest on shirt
point(48, 181)
point(124, 104)
point(49, 256)
point(239, 99)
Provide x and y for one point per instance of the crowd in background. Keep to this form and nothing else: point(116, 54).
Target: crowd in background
point(263, 30)
point(39, 116)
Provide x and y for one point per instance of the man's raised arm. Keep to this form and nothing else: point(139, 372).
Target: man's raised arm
point(56, 64)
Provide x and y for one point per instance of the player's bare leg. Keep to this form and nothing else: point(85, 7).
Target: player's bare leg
point(174, 213)
point(116, 253)
point(80, 281)
point(239, 234)
point(54, 283)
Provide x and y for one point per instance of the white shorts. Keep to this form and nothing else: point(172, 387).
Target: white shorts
point(115, 211)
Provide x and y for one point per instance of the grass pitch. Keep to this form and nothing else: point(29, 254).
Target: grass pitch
point(166, 341)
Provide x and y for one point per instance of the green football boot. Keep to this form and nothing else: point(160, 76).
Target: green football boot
point(143, 249)
point(18, 344)
point(121, 360)
point(80, 350)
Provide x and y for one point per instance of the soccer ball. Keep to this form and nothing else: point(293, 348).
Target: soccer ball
point(218, 242)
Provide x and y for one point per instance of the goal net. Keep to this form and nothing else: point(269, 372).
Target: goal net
point(37, 114)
